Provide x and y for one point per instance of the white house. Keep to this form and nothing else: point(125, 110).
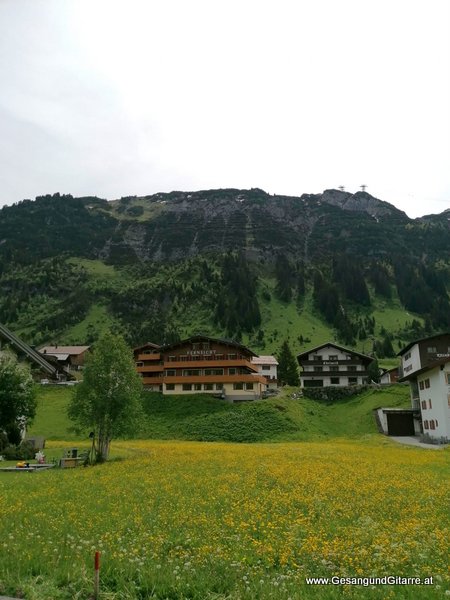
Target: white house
point(268, 367)
point(426, 365)
point(333, 365)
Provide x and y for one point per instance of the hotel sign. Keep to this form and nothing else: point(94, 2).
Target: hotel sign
point(200, 352)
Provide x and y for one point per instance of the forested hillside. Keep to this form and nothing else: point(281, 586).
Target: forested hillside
point(232, 263)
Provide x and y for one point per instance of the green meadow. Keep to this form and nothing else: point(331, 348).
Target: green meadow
point(319, 493)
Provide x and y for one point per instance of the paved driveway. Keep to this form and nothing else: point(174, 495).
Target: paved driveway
point(415, 441)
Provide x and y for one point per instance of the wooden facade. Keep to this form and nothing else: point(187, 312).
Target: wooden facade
point(200, 364)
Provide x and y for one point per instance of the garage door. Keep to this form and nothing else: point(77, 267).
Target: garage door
point(400, 424)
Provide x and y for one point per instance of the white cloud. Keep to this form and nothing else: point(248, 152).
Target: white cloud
point(291, 96)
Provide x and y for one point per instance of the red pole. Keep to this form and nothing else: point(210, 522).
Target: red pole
point(96, 574)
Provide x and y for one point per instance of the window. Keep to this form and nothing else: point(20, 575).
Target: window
point(432, 425)
point(238, 386)
point(232, 357)
point(170, 372)
point(187, 387)
point(424, 404)
point(208, 386)
point(170, 386)
point(427, 383)
point(249, 386)
point(425, 424)
point(184, 357)
point(334, 369)
point(333, 357)
point(205, 345)
point(196, 346)
point(266, 367)
point(140, 364)
point(197, 386)
point(172, 358)
point(318, 369)
point(421, 386)
point(191, 372)
point(407, 355)
point(219, 356)
point(317, 357)
point(232, 371)
point(436, 422)
point(352, 368)
point(334, 380)
point(213, 371)
point(447, 378)
point(352, 380)
point(431, 350)
point(429, 403)
point(219, 386)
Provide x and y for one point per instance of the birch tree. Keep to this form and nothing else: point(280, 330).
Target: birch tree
point(108, 401)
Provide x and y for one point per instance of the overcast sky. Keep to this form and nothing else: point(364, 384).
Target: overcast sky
point(115, 98)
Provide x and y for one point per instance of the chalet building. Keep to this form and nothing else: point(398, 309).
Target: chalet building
point(268, 367)
point(201, 364)
point(333, 365)
point(426, 366)
point(71, 357)
point(389, 376)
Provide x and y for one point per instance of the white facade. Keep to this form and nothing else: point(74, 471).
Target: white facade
point(333, 365)
point(434, 400)
point(268, 367)
point(411, 360)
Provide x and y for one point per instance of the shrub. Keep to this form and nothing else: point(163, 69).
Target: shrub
point(333, 394)
point(24, 451)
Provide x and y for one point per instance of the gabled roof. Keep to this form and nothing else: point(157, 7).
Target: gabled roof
point(72, 350)
point(425, 339)
point(264, 360)
point(60, 357)
point(201, 338)
point(342, 348)
point(147, 345)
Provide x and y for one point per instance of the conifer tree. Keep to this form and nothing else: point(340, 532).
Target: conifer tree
point(287, 366)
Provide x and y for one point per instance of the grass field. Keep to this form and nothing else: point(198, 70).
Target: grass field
point(225, 521)
point(203, 418)
point(179, 520)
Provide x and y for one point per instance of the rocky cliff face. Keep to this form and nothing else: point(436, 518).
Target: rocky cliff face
point(310, 226)
point(176, 225)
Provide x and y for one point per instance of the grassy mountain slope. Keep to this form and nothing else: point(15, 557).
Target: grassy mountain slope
point(153, 268)
point(209, 419)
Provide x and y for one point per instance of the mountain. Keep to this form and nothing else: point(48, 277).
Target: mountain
point(236, 263)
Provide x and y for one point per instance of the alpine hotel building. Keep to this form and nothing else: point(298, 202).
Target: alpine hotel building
point(200, 364)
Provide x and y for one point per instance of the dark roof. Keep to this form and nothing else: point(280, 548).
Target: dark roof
point(384, 371)
point(199, 338)
point(147, 345)
point(429, 367)
point(411, 344)
point(362, 356)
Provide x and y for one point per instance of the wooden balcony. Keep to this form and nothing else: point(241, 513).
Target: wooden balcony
point(152, 380)
point(148, 357)
point(326, 363)
point(216, 379)
point(150, 369)
point(212, 364)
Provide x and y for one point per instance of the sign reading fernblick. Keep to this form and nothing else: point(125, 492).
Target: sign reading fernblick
point(200, 352)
